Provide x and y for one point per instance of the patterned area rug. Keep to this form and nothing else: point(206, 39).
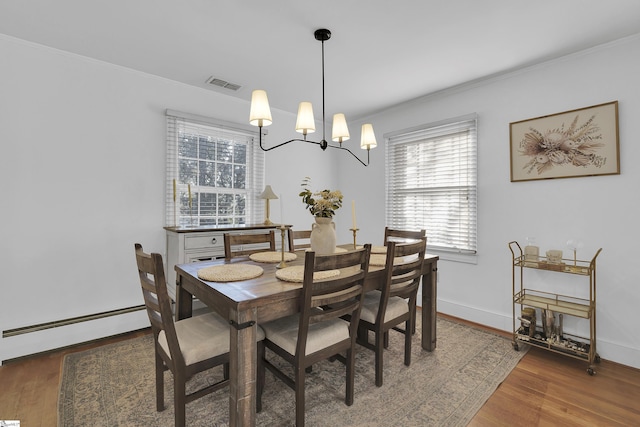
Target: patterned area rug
point(113, 385)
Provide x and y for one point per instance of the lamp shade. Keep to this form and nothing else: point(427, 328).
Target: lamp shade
point(268, 193)
point(305, 123)
point(260, 114)
point(340, 131)
point(368, 138)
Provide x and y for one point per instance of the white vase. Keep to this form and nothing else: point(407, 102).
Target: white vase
point(323, 236)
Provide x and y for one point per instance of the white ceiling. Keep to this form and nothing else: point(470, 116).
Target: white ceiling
point(381, 53)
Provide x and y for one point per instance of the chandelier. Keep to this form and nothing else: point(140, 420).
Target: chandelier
point(260, 115)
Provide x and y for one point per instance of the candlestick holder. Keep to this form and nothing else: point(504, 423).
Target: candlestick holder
point(282, 264)
point(355, 231)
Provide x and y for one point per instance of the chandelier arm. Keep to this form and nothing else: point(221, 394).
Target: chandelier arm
point(285, 143)
point(351, 152)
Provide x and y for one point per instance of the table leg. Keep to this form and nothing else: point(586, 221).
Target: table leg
point(184, 301)
point(243, 368)
point(429, 309)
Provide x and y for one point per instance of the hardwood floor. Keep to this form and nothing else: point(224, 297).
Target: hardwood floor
point(544, 389)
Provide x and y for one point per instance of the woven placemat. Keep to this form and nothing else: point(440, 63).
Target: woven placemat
point(335, 251)
point(230, 272)
point(296, 274)
point(375, 249)
point(272, 256)
point(381, 260)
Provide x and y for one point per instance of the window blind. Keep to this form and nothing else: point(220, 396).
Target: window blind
point(431, 182)
point(214, 172)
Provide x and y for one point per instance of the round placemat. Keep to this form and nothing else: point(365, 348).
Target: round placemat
point(381, 260)
point(335, 251)
point(272, 256)
point(296, 274)
point(230, 272)
point(375, 249)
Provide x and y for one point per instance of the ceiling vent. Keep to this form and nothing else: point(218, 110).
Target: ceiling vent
point(223, 83)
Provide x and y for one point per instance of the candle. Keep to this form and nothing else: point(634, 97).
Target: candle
point(174, 191)
point(353, 213)
point(189, 187)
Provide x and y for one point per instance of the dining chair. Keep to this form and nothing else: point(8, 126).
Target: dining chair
point(396, 235)
point(235, 245)
point(299, 239)
point(383, 310)
point(184, 347)
point(403, 236)
point(318, 332)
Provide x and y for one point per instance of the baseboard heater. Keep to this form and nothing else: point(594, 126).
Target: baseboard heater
point(65, 322)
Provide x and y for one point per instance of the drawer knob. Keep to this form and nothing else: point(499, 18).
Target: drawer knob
point(214, 241)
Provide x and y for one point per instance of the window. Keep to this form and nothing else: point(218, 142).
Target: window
point(215, 172)
point(431, 183)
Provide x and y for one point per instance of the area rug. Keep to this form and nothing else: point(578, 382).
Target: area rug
point(113, 385)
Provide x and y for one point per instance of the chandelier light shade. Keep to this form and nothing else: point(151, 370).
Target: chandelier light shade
point(368, 138)
point(340, 131)
point(305, 123)
point(260, 115)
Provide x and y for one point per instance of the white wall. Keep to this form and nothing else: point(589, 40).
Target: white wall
point(601, 211)
point(82, 171)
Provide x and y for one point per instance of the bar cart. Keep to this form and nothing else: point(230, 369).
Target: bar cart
point(528, 302)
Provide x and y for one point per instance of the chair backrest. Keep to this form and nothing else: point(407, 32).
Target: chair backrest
point(157, 300)
point(403, 271)
point(393, 235)
point(333, 297)
point(259, 242)
point(296, 235)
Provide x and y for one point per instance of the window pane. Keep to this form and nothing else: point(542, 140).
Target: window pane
point(188, 170)
point(208, 205)
point(224, 176)
point(188, 146)
point(207, 148)
point(240, 153)
point(207, 174)
point(225, 151)
point(239, 176)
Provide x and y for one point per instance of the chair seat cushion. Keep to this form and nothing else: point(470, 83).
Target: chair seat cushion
point(202, 337)
point(284, 333)
point(396, 307)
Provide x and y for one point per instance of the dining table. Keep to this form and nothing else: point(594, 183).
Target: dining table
point(247, 303)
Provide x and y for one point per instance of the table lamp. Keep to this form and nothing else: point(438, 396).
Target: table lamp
point(267, 195)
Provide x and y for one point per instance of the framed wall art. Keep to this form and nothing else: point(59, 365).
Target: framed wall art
point(582, 142)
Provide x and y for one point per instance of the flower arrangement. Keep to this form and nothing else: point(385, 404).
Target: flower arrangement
point(323, 203)
point(575, 146)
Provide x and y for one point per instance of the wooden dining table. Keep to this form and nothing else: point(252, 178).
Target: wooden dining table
point(247, 303)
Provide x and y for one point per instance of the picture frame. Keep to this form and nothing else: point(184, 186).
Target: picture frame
point(575, 143)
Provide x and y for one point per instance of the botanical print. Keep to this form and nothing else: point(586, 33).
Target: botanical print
point(580, 142)
point(575, 146)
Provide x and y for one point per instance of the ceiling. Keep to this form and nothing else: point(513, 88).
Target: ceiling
point(381, 52)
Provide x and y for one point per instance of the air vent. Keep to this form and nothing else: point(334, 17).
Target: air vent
point(222, 83)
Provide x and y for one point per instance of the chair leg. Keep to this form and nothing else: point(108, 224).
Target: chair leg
point(351, 361)
point(300, 380)
point(386, 339)
point(159, 383)
point(413, 326)
point(179, 398)
point(378, 355)
point(407, 343)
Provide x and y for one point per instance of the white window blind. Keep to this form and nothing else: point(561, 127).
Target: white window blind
point(431, 183)
point(215, 172)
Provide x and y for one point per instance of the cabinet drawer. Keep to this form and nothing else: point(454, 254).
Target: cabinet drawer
point(204, 241)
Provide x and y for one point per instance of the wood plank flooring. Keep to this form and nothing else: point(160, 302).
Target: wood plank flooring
point(545, 389)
